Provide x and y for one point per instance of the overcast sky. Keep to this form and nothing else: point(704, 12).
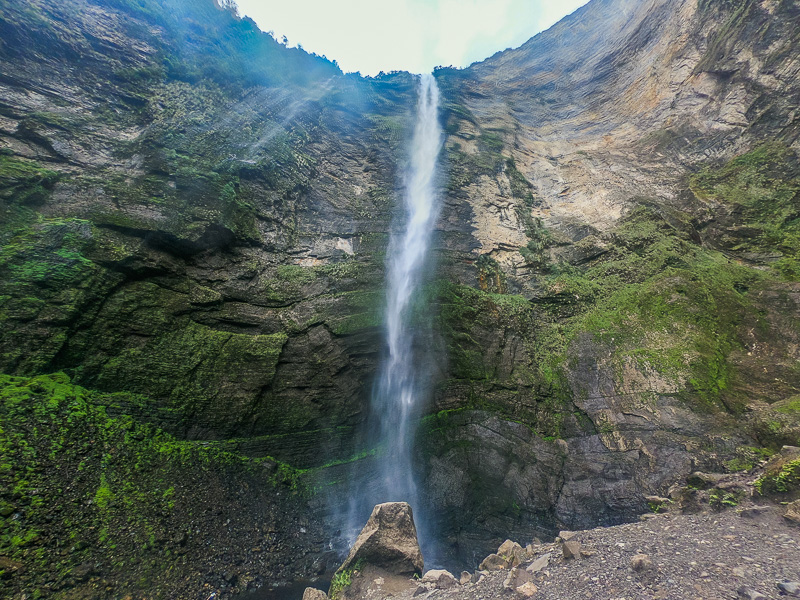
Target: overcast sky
point(410, 35)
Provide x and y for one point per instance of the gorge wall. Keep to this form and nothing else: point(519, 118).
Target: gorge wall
point(195, 221)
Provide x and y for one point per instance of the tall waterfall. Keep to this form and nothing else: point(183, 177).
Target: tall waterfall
point(399, 392)
point(403, 382)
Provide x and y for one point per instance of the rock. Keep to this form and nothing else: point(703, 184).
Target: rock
point(703, 481)
point(440, 579)
point(571, 549)
point(422, 589)
point(314, 594)
point(388, 541)
point(790, 588)
point(641, 563)
point(512, 552)
point(494, 562)
point(466, 577)
point(539, 564)
point(746, 593)
point(656, 500)
point(567, 535)
point(527, 589)
point(516, 578)
point(751, 512)
point(792, 513)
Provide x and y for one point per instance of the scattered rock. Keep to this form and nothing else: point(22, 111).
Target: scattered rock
point(751, 512)
point(440, 579)
point(516, 578)
point(571, 549)
point(314, 594)
point(493, 562)
point(656, 500)
point(641, 563)
point(527, 589)
point(420, 591)
point(792, 513)
point(746, 593)
point(704, 481)
point(790, 588)
point(388, 541)
point(512, 552)
point(540, 563)
point(466, 577)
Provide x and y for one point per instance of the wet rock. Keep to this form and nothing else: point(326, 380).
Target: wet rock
point(790, 588)
point(746, 593)
point(571, 549)
point(388, 541)
point(539, 564)
point(439, 579)
point(314, 594)
point(641, 563)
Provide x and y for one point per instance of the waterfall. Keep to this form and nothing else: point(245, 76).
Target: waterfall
point(399, 394)
point(403, 383)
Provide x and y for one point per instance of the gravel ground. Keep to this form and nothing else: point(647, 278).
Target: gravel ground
point(707, 556)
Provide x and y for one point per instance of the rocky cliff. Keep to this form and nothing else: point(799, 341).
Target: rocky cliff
point(195, 220)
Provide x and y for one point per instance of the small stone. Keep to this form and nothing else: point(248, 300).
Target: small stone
point(311, 593)
point(539, 564)
point(516, 578)
point(571, 549)
point(527, 589)
point(567, 535)
point(703, 481)
point(466, 577)
point(422, 589)
point(737, 572)
point(746, 593)
point(641, 563)
point(440, 579)
point(790, 588)
point(752, 512)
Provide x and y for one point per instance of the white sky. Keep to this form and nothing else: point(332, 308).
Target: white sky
point(410, 35)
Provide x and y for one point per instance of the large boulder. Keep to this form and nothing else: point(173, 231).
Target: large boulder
point(388, 541)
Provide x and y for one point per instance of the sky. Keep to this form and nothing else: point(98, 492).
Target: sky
point(405, 35)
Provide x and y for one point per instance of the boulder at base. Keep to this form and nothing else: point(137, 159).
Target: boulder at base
point(388, 541)
point(384, 557)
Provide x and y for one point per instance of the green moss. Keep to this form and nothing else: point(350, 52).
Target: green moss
point(24, 181)
point(785, 480)
point(761, 188)
point(343, 579)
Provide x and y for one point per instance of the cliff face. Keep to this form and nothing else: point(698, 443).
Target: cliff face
point(195, 222)
point(621, 262)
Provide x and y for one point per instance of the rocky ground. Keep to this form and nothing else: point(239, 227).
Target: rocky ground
point(707, 556)
point(715, 538)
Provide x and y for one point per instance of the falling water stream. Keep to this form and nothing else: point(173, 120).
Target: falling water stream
point(400, 390)
point(403, 382)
